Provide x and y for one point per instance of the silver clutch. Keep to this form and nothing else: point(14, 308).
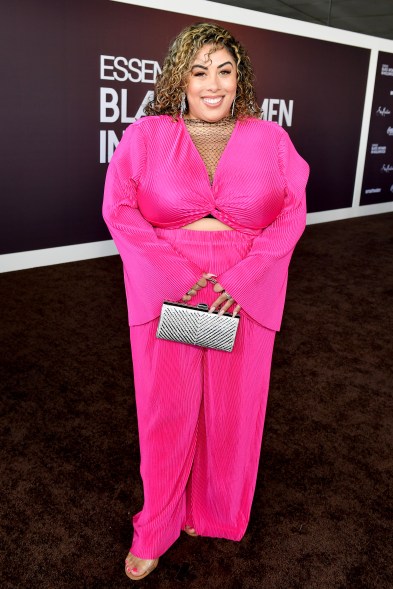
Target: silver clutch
point(184, 323)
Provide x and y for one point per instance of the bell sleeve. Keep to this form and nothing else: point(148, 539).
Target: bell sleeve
point(153, 269)
point(258, 282)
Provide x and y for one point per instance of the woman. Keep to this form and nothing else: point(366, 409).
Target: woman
point(202, 192)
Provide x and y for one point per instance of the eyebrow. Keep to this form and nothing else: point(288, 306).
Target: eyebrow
point(219, 66)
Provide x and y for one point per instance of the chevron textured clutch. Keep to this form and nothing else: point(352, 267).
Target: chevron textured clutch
point(184, 323)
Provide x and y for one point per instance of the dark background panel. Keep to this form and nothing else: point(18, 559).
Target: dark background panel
point(378, 169)
point(52, 182)
point(33, 163)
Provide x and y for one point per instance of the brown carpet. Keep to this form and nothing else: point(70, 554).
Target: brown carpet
point(322, 512)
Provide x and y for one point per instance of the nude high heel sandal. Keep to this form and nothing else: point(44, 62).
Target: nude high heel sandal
point(150, 568)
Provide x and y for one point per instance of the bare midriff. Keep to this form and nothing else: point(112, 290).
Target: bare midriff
point(208, 224)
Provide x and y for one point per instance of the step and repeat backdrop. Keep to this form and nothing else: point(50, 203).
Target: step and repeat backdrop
point(378, 169)
point(78, 73)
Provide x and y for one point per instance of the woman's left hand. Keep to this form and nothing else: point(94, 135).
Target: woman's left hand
point(224, 301)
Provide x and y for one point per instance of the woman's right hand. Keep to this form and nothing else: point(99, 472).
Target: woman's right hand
point(201, 283)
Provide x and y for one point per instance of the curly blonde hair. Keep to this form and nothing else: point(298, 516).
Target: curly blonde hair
point(172, 82)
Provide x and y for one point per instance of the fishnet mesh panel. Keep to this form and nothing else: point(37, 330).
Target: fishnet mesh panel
point(210, 140)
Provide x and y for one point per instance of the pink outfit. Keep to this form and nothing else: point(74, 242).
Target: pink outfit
point(201, 411)
point(157, 178)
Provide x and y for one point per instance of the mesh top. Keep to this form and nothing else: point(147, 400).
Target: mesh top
point(210, 139)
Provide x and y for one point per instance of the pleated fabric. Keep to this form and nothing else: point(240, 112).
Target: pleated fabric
point(157, 179)
point(200, 414)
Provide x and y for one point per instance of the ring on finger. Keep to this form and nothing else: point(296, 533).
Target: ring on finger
point(189, 292)
point(225, 293)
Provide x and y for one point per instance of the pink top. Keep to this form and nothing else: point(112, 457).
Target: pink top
point(157, 178)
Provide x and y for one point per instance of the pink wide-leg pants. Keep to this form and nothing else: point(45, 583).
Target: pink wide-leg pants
point(200, 414)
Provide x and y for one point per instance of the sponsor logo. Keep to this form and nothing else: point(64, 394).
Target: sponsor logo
point(122, 69)
point(386, 70)
point(389, 131)
point(378, 149)
point(382, 111)
point(387, 168)
point(373, 190)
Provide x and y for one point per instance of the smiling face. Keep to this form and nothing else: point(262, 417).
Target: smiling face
point(211, 85)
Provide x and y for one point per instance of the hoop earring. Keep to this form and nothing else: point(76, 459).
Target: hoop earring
point(233, 108)
point(183, 106)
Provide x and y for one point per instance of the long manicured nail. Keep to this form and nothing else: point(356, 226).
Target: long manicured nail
point(212, 309)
